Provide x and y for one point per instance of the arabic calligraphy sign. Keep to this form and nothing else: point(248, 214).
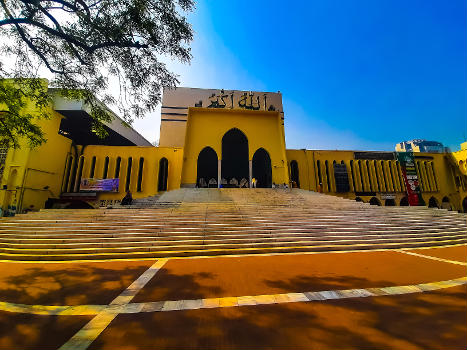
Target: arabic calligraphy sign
point(227, 99)
point(246, 100)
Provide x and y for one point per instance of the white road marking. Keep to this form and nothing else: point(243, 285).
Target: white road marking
point(432, 257)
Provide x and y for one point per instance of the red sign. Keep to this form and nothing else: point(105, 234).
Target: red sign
point(409, 172)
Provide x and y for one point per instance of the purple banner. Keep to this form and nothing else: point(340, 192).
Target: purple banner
point(99, 185)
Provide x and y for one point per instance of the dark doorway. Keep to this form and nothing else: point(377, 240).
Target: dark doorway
point(374, 201)
point(389, 202)
point(464, 205)
point(234, 156)
point(262, 171)
point(163, 174)
point(358, 199)
point(294, 175)
point(433, 203)
point(207, 167)
point(404, 202)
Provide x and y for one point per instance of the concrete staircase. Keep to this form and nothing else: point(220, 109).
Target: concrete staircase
point(198, 222)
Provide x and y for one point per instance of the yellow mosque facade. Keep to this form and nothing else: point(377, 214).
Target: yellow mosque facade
point(217, 139)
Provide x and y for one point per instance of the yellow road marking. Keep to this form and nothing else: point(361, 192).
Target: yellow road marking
point(86, 335)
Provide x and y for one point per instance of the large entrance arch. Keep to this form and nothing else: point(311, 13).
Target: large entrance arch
point(207, 167)
point(235, 156)
point(262, 172)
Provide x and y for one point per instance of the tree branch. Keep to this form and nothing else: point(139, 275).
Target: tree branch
point(59, 28)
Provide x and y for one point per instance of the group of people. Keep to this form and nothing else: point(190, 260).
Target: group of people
point(234, 183)
point(224, 183)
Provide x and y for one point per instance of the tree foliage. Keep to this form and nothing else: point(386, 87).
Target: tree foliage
point(91, 47)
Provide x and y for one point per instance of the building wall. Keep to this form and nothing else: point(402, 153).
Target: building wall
point(151, 157)
point(459, 170)
point(44, 169)
point(175, 104)
point(206, 127)
point(31, 176)
point(435, 172)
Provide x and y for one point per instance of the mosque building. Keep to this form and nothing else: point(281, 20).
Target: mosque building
point(213, 138)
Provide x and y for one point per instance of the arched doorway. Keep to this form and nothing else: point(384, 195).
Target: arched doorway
point(464, 205)
point(163, 174)
point(374, 201)
point(358, 199)
point(235, 156)
point(389, 202)
point(404, 202)
point(294, 175)
point(207, 167)
point(262, 171)
point(433, 203)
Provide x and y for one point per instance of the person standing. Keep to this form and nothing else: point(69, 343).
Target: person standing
point(128, 199)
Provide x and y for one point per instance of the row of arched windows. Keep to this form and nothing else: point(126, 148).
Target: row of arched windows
point(371, 175)
point(376, 176)
point(426, 176)
point(74, 172)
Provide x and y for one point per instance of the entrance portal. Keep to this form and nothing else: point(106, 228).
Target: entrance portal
point(262, 168)
point(207, 167)
point(234, 156)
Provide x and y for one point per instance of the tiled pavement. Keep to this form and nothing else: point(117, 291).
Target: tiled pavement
point(209, 290)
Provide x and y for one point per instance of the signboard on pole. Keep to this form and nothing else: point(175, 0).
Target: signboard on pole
point(99, 185)
point(409, 173)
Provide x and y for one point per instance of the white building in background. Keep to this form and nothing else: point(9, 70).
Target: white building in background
point(418, 145)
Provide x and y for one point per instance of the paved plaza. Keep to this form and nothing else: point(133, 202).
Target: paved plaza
point(382, 299)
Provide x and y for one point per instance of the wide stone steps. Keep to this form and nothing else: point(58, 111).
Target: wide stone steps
point(220, 240)
point(298, 212)
point(228, 221)
point(220, 246)
point(270, 249)
point(193, 219)
point(138, 231)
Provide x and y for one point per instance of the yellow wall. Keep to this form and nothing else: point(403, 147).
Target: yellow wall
point(436, 175)
point(28, 171)
point(151, 156)
point(461, 158)
point(30, 177)
point(206, 127)
point(45, 166)
point(174, 133)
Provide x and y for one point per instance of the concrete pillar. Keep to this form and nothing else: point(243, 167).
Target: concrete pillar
point(219, 173)
point(250, 170)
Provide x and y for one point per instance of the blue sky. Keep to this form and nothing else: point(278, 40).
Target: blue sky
point(354, 74)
